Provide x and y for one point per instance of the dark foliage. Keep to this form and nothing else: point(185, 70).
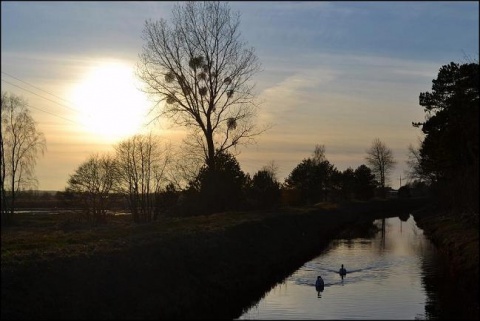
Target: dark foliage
point(219, 189)
point(312, 179)
point(449, 152)
point(166, 201)
point(365, 183)
point(316, 181)
point(348, 183)
point(413, 189)
point(264, 190)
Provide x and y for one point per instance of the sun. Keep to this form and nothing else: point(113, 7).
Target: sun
point(110, 104)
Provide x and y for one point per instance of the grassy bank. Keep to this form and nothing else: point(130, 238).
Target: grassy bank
point(456, 238)
point(198, 267)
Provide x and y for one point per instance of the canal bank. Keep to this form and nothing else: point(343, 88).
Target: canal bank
point(456, 238)
point(454, 235)
point(205, 271)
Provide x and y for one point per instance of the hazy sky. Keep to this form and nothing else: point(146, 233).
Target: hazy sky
point(333, 73)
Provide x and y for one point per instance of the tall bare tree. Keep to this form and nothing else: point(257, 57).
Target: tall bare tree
point(92, 182)
point(21, 144)
point(319, 154)
point(142, 163)
point(185, 168)
point(415, 171)
point(380, 159)
point(272, 169)
point(198, 71)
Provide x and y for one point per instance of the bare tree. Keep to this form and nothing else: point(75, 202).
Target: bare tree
point(21, 144)
point(319, 154)
point(272, 169)
point(415, 171)
point(142, 162)
point(198, 71)
point(186, 167)
point(380, 159)
point(92, 182)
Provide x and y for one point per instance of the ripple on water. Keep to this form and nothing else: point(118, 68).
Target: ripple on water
point(383, 281)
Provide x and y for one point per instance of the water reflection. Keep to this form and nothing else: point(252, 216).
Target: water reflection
point(382, 234)
point(447, 298)
point(388, 278)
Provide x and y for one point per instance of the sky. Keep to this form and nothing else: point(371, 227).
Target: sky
point(338, 74)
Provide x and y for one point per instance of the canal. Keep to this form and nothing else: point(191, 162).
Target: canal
point(397, 274)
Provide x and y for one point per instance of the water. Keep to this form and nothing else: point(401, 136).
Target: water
point(384, 279)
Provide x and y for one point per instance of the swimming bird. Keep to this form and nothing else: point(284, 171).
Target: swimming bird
point(342, 271)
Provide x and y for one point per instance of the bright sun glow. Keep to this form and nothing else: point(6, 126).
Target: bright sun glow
point(110, 104)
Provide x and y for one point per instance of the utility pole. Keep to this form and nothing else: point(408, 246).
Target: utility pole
point(400, 180)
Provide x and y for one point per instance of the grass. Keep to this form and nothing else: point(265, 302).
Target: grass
point(456, 236)
point(50, 234)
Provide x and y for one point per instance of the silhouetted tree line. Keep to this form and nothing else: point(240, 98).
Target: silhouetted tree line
point(98, 184)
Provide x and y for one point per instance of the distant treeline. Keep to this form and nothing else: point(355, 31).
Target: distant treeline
point(229, 188)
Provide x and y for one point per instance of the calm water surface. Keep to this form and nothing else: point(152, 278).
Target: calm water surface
point(383, 281)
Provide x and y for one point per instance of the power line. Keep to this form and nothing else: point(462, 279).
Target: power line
point(3, 72)
point(60, 104)
point(36, 94)
point(53, 114)
point(56, 102)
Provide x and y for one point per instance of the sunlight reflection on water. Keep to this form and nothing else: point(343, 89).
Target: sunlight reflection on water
point(383, 280)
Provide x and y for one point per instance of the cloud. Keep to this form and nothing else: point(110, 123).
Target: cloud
point(343, 102)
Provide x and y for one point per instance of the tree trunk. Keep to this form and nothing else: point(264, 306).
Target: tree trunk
point(211, 150)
